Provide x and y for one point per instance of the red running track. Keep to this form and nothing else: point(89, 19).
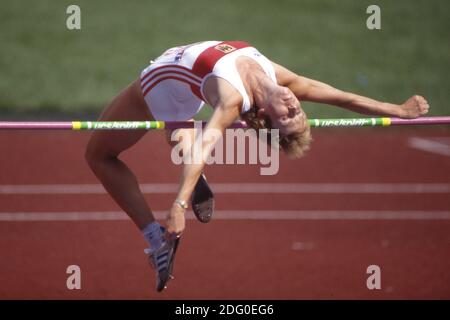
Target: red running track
point(235, 258)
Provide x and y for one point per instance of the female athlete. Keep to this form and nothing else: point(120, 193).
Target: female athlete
point(237, 81)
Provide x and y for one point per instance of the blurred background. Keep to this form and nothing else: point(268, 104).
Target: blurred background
point(48, 71)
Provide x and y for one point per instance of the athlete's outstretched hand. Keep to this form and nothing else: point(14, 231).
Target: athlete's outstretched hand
point(414, 107)
point(175, 221)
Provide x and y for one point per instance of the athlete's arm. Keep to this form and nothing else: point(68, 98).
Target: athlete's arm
point(316, 91)
point(226, 110)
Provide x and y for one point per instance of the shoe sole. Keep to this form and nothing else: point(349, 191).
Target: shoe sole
point(166, 278)
point(202, 201)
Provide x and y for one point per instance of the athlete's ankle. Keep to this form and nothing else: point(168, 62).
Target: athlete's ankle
point(153, 235)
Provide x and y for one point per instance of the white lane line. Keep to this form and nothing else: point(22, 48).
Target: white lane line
point(248, 188)
point(236, 215)
point(437, 146)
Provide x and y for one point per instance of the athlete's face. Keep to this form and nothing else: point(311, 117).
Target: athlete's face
point(286, 113)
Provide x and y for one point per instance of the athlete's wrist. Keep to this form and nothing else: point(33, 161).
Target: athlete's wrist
point(182, 203)
point(392, 109)
point(401, 112)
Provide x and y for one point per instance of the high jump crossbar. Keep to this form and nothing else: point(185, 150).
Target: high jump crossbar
point(159, 125)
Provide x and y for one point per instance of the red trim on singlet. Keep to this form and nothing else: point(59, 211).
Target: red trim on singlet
point(193, 85)
point(164, 67)
point(205, 62)
point(163, 72)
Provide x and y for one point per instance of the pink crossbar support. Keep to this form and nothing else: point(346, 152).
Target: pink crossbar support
point(421, 121)
point(19, 125)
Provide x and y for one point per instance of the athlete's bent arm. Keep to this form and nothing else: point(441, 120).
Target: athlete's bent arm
point(221, 119)
point(316, 91)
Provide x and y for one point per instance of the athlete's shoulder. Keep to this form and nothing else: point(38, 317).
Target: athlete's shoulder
point(219, 91)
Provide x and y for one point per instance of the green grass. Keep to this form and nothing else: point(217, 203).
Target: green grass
point(45, 68)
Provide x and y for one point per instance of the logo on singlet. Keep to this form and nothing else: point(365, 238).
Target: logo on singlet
point(225, 48)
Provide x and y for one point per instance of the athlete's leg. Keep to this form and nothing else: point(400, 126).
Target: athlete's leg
point(102, 154)
point(104, 148)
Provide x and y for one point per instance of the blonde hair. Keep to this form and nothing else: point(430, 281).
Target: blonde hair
point(294, 145)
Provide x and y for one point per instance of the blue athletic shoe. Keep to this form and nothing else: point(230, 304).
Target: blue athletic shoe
point(162, 260)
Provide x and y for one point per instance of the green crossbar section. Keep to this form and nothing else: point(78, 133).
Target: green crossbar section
point(356, 122)
point(117, 125)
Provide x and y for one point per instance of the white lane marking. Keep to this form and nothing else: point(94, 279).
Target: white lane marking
point(248, 188)
point(300, 246)
point(437, 146)
point(236, 215)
